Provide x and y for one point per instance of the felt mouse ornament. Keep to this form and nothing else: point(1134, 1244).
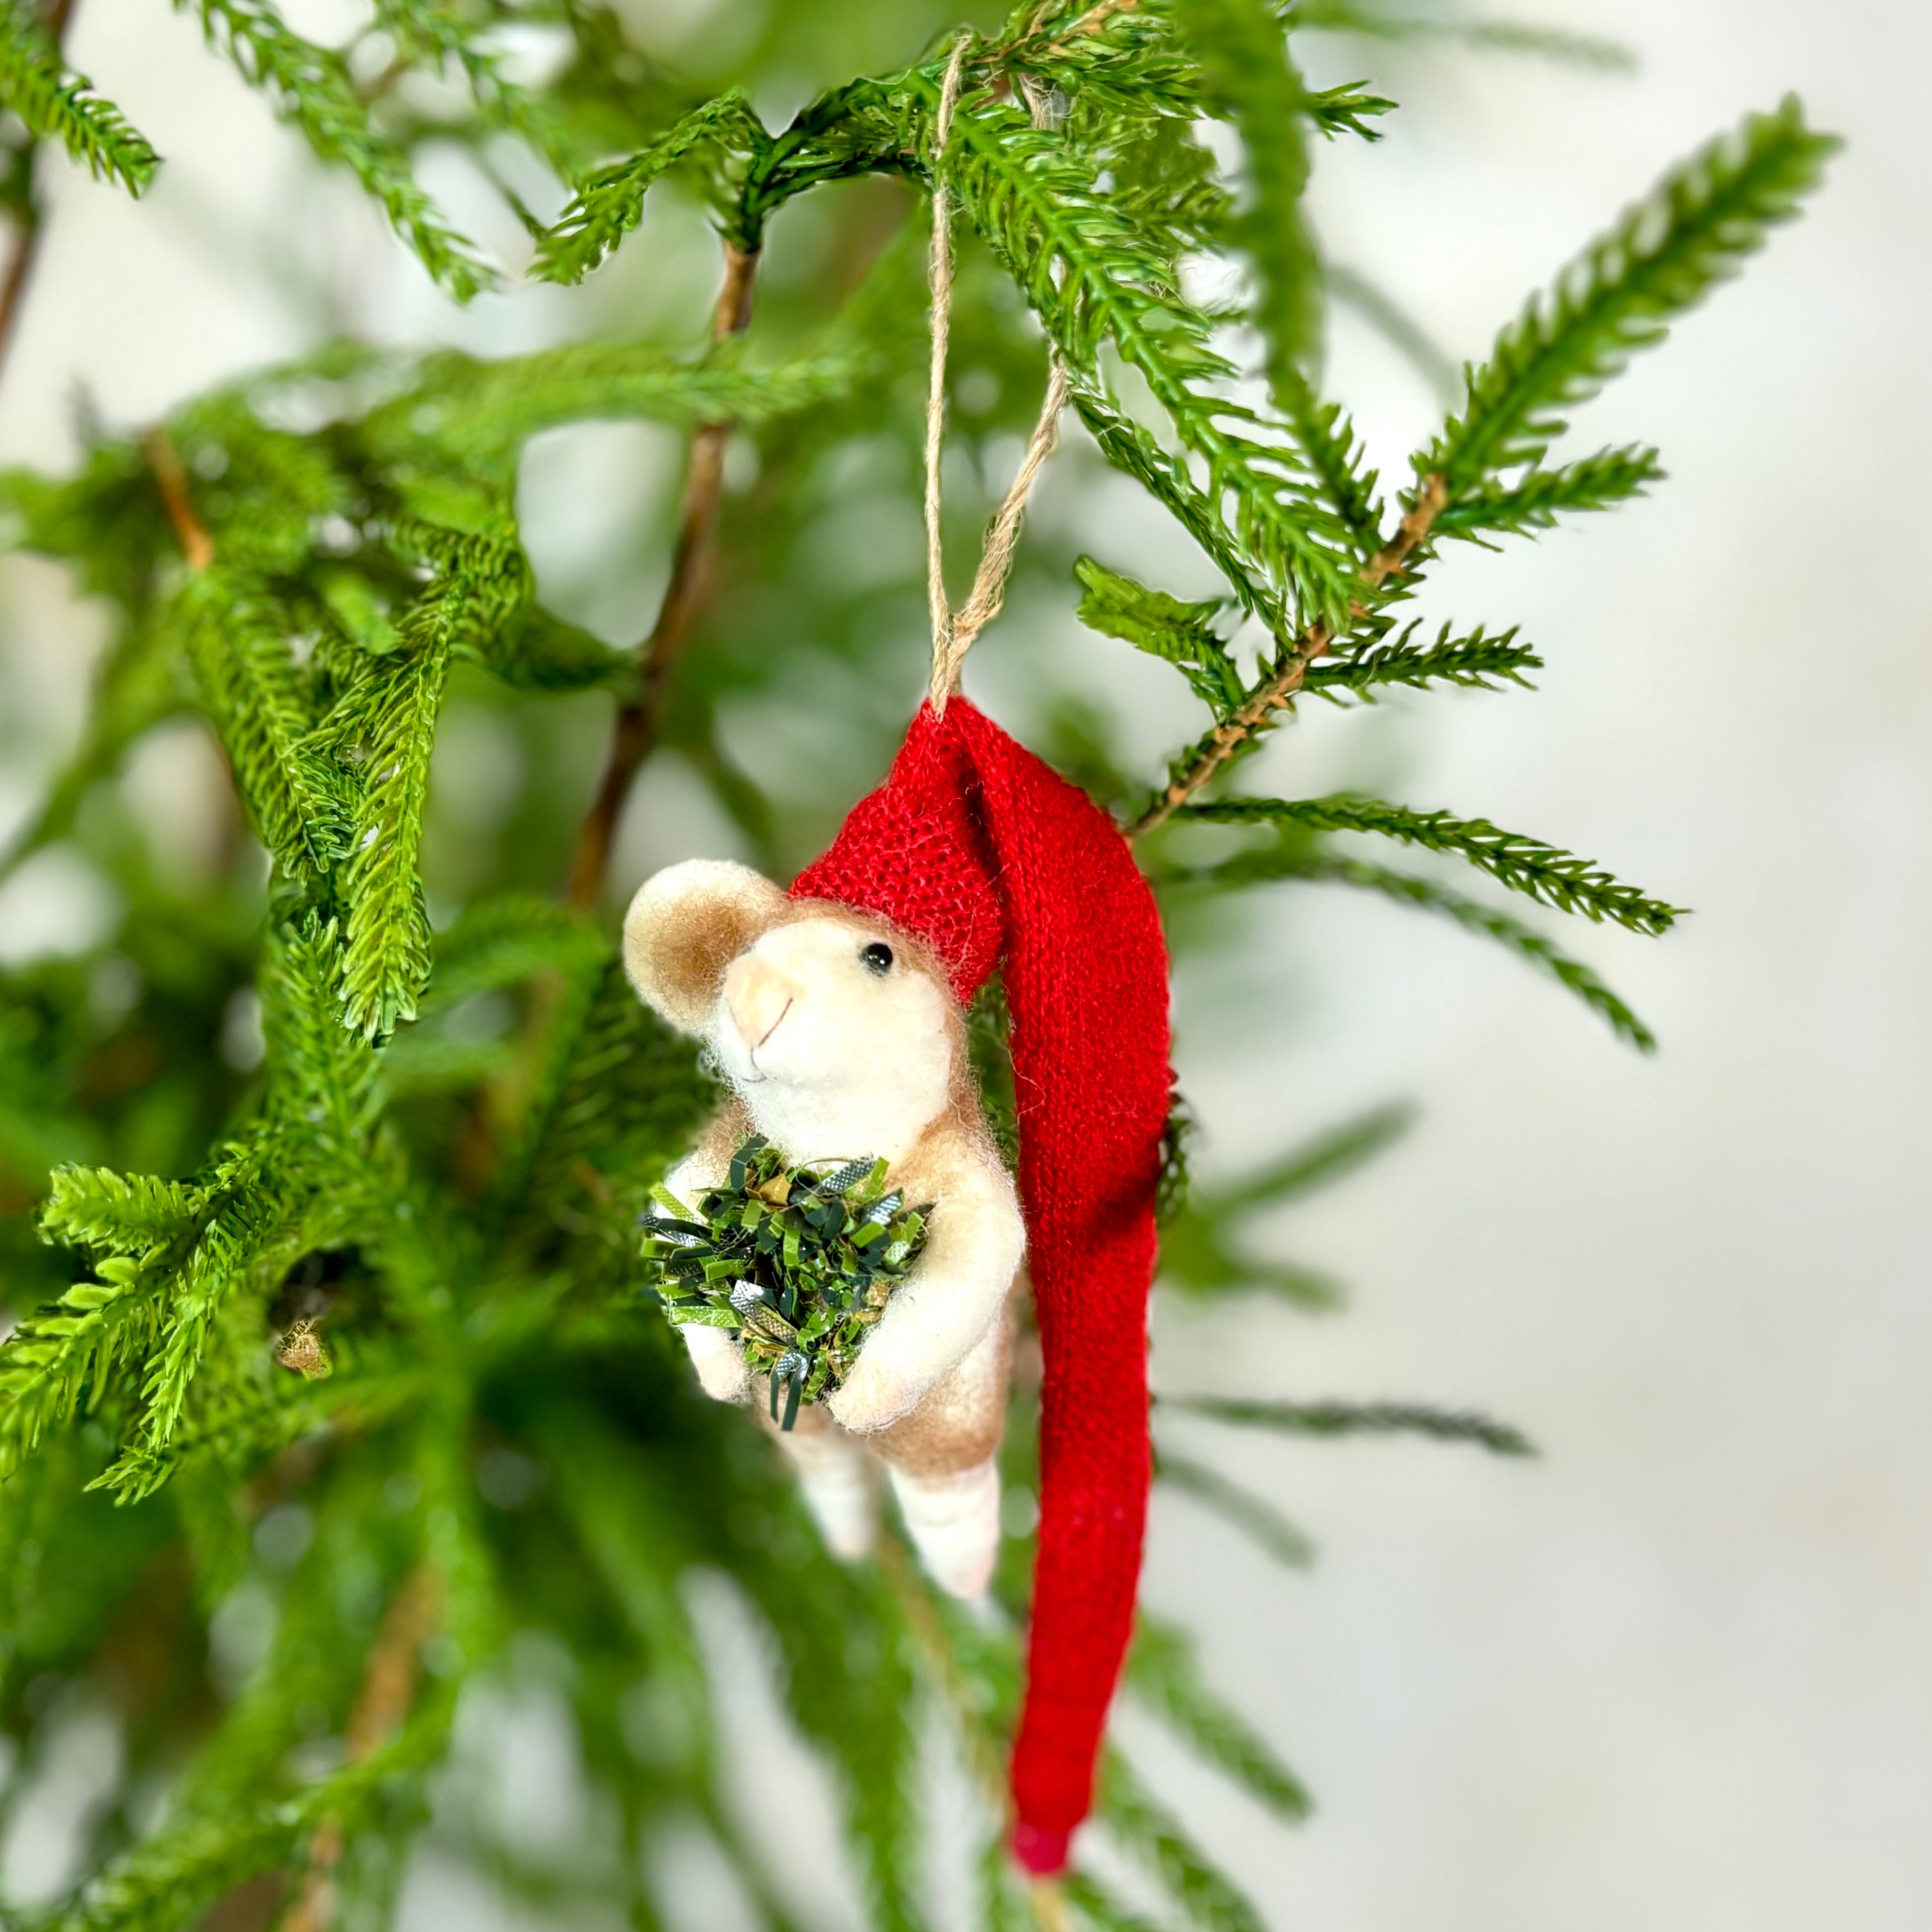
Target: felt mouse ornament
point(835, 1011)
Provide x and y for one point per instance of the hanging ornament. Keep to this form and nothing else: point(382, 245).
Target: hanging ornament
point(836, 1009)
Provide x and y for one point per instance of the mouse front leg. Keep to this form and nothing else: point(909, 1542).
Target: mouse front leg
point(954, 1296)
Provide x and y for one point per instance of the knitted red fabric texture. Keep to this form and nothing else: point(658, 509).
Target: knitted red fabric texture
point(977, 847)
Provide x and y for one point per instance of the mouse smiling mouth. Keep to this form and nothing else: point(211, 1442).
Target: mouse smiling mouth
point(752, 1051)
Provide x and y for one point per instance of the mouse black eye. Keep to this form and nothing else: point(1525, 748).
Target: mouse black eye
point(878, 958)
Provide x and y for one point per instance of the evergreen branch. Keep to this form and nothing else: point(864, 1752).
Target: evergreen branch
point(476, 414)
point(500, 941)
point(166, 1881)
point(439, 34)
point(1131, 450)
point(326, 1079)
point(55, 103)
point(310, 87)
point(1328, 441)
point(1555, 43)
point(1163, 1671)
point(1554, 877)
point(1164, 627)
point(1276, 690)
point(1352, 1418)
point(1152, 1835)
point(252, 1229)
point(1316, 1163)
point(610, 204)
point(1297, 861)
point(131, 1214)
point(50, 1363)
point(1250, 76)
point(636, 728)
point(235, 636)
point(1620, 295)
point(1399, 328)
point(1599, 482)
point(1471, 662)
point(1092, 271)
point(1261, 1522)
point(387, 722)
point(388, 1689)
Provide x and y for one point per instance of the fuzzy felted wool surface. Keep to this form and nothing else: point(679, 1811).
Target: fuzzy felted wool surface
point(975, 846)
point(841, 1040)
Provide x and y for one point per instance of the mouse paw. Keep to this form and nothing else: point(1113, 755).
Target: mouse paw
point(719, 1362)
point(872, 1397)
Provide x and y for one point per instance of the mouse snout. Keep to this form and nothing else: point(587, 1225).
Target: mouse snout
point(757, 996)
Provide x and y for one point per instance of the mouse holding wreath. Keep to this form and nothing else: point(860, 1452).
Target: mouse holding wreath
point(853, 1135)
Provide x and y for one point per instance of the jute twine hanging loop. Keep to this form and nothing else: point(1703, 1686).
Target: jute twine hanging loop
point(953, 630)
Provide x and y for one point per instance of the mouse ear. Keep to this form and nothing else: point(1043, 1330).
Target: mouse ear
point(686, 926)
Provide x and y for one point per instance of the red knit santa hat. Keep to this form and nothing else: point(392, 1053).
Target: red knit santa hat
point(975, 846)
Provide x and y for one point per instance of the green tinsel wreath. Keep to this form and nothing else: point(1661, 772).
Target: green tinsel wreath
point(797, 1262)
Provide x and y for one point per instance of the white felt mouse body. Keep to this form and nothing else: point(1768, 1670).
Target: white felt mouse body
point(841, 1040)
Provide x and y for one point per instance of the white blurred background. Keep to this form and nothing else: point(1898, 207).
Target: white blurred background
point(1676, 1675)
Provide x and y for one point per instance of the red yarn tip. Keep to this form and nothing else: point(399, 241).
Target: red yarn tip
point(1040, 1850)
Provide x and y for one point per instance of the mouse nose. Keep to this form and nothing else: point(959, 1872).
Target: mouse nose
point(757, 995)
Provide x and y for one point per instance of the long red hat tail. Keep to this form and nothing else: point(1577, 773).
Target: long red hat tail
point(967, 821)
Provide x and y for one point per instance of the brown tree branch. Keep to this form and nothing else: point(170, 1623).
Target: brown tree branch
point(55, 17)
point(388, 1689)
point(1278, 693)
point(171, 479)
point(636, 729)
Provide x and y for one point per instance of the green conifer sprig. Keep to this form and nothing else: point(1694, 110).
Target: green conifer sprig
point(1131, 449)
point(1149, 1833)
point(1092, 272)
point(1472, 662)
point(1509, 36)
point(1307, 860)
point(386, 724)
point(1162, 1671)
point(120, 1214)
point(1691, 232)
point(1350, 1418)
point(68, 1353)
point(1249, 75)
point(469, 40)
point(310, 87)
point(610, 203)
point(1599, 482)
point(1545, 873)
point(1165, 627)
point(56, 104)
point(235, 633)
point(1492, 922)
point(1260, 1522)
